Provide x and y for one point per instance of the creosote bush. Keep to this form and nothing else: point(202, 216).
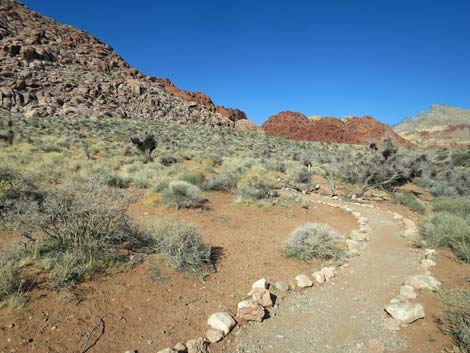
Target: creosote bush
point(456, 316)
point(257, 184)
point(442, 229)
point(180, 244)
point(314, 241)
point(182, 194)
point(409, 200)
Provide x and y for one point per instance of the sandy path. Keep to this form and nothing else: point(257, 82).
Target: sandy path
point(346, 313)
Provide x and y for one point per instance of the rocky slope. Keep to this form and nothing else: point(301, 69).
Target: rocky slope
point(53, 69)
point(350, 130)
point(440, 126)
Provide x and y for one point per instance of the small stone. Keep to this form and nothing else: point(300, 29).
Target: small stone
point(423, 282)
point(318, 277)
point(221, 321)
point(392, 324)
point(168, 350)
point(261, 283)
point(359, 236)
point(328, 272)
point(429, 253)
point(197, 345)
point(262, 297)
point(303, 281)
point(405, 312)
point(250, 311)
point(353, 245)
point(407, 291)
point(180, 347)
point(214, 335)
point(282, 286)
point(426, 263)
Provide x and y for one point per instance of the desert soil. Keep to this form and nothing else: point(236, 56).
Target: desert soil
point(147, 315)
point(346, 315)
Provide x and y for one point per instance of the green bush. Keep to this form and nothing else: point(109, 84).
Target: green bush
point(314, 241)
point(10, 280)
point(182, 194)
point(257, 184)
point(409, 200)
point(457, 206)
point(443, 229)
point(180, 244)
point(456, 317)
point(195, 178)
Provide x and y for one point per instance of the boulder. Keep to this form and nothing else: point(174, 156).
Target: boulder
point(303, 281)
point(328, 272)
point(423, 282)
point(426, 263)
point(262, 297)
point(281, 286)
point(250, 311)
point(221, 321)
point(392, 324)
point(405, 312)
point(197, 345)
point(180, 347)
point(319, 277)
point(407, 291)
point(214, 335)
point(261, 283)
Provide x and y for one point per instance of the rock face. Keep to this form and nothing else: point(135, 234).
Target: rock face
point(351, 130)
point(50, 69)
point(440, 126)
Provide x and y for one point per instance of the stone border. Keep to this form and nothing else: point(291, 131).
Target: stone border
point(254, 309)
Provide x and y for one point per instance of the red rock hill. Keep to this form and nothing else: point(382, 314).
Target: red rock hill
point(351, 130)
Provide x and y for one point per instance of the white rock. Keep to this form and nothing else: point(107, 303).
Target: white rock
point(407, 291)
point(352, 244)
point(423, 282)
point(261, 283)
point(429, 253)
point(397, 216)
point(356, 214)
point(250, 311)
point(410, 233)
point(405, 312)
point(358, 236)
point(362, 221)
point(328, 272)
point(426, 263)
point(282, 286)
point(392, 324)
point(303, 281)
point(166, 350)
point(197, 345)
point(318, 277)
point(214, 335)
point(221, 321)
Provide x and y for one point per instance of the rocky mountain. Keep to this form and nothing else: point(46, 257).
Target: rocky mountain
point(350, 130)
point(440, 126)
point(51, 69)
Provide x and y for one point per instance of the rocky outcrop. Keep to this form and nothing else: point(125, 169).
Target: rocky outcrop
point(350, 130)
point(50, 69)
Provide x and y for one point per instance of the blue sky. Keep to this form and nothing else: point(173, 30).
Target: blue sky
point(389, 59)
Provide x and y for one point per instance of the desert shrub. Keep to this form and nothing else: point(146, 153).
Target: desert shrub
point(115, 180)
point(10, 280)
point(182, 194)
point(458, 206)
point(180, 244)
point(456, 316)
point(443, 229)
point(167, 160)
point(257, 184)
point(222, 182)
point(313, 241)
point(299, 174)
point(409, 200)
point(192, 177)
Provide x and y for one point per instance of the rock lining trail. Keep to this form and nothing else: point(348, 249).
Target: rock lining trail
point(346, 314)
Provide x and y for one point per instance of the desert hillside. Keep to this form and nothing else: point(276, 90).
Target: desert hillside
point(50, 69)
point(350, 130)
point(442, 125)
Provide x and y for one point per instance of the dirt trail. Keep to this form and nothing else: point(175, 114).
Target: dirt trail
point(343, 315)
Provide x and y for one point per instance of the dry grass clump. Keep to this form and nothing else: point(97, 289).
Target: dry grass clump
point(181, 194)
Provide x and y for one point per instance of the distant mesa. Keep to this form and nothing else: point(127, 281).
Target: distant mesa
point(352, 130)
point(441, 126)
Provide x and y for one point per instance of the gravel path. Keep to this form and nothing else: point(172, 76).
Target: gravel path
point(346, 314)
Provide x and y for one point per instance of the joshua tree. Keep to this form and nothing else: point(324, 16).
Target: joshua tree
point(145, 146)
